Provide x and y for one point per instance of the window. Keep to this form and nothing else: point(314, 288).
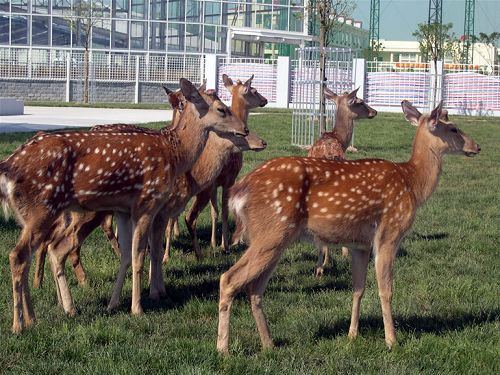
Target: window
point(19, 30)
point(40, 31)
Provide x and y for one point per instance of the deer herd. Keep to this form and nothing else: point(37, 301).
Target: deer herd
point(60, 186)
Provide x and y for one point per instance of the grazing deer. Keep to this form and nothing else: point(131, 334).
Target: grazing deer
point(128, 173)
point(368, 203)
point(333, 145)
point(244, 98)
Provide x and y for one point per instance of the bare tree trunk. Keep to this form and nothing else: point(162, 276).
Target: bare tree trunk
point(86, 72)
point(322, 77)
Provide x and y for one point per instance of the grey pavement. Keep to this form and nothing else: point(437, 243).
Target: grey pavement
point(53, 118)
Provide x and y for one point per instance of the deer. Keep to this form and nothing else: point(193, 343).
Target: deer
point(369, 204)
point(244, 97)
point(130, 174)
point(333, 145)
point(85, 222)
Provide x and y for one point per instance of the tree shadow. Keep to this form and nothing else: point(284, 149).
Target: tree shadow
point(414, 324)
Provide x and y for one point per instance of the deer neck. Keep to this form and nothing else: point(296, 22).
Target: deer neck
point(424, 167)
point(343, 126)
point(239, 109)
point(186, 142)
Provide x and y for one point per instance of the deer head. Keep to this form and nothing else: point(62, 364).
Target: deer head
point(442, 135)
point(245, 92)
point(354, 106)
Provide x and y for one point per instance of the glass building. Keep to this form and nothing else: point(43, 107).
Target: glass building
point(145, 26)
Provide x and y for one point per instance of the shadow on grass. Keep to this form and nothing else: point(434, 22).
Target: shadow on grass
point(413, 324)
point(428, 237)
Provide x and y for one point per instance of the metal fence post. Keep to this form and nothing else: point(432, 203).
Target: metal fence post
point(68, 76)
point(359, 66)
point(283, 82)
point(137, 68)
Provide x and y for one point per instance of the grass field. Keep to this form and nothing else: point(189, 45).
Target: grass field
point(446, 300)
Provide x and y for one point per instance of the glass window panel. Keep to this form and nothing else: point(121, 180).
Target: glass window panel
point(4, 29)
point(120, 34)
point(176, 10)
point(101, 8)
point(61, 7)
point(221, 39)
point(210, 39)
point(40, 31)
point(297, 19)
point(158, 35)
point(193, 11)
point(4, 5)
point(19, 30)
point(139, 9)
point(137, 35)
point(61, 32)
point(158, 9)
point(212, 12)
point(81, 32)
point(193, 38)
point(39, 6)
point(101, 34)
point(19, 6)
point(280, 18)
point(175, 37)
point(121, 9)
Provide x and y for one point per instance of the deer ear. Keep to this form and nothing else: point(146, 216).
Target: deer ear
point(444, 115)
point(411, 113)
point(351, 97)
point(248, 83)
point(435, 116)
point(228, 82)
point(173, 99)
point(329, 94)
point(203, 86)
point(192, 95)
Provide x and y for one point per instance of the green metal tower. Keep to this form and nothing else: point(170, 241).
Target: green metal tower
point(435, 12)
point(374, 33)
point(470, 7)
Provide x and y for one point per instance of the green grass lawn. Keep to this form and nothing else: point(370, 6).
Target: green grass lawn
point(446, 297)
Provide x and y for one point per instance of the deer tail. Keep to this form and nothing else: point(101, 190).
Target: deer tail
point(238, 198)
point(7, 186)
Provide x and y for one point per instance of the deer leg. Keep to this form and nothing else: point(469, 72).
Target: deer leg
point(124, 225)
point(40, 255)
point(177, 231)
point(345, 252)
point(255, 265)
point(19, 258)
point(323, 260)
point(157, 285)
point(214, 213)
point(168, 239)
point(200, 202)
point(360, 259)
point(237, 235)
point(107, 227)
point(74, 257)
point(139, 244)
point(384, 263)
point(225, 215)
point(58, 260)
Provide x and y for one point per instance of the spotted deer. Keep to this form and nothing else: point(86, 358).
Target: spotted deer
point(128, 173)
point(368, 203)
point(244, 97)
point(333, 146)
point(72, 228)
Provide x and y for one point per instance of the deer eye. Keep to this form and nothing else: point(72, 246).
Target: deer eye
point(221, 111)
point(454, 130)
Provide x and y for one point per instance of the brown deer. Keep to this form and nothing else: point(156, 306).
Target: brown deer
point(128, 173)
point(333, 145)
point(244, 97)
point(368, 203)
point(82, 224)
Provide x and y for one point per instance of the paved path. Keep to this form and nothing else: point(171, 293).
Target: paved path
point(51, 118)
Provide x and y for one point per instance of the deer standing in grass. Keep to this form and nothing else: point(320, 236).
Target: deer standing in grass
point(244, 98)
point(367, 204)
point(333, 146)
point(130, 174)
point(72, 228)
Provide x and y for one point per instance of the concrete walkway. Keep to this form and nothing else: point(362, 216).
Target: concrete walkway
point(53, 118)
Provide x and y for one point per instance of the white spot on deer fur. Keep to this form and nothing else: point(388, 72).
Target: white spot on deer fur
point(296, 169)
point(87, 168)
point(315, 205)
point(275, 193)
point(284, 218)
point(324, 210)
point(297, 205)
point(280, 187)
point(289, 198)
point(49, 187)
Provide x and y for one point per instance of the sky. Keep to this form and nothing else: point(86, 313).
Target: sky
point(399, 18)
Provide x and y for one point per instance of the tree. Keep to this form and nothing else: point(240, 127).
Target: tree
point(435, 41)
point(327, 13)
point(86, 15)
point(491, 41)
